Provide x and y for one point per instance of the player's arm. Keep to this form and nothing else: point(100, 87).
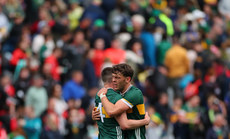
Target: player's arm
point(114, 109)
point(126, 124)
point(110, 108)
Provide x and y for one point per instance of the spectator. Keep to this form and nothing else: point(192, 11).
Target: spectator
point(75, 51)
point(149, 48)
point(22, 85)
point(60, 106)
point(191, 116)
point(31, 124)
point(7, 99)
point(162, 49)
point(15, 34)
point(97, 55)
point(4, 26)
point(94, 11)
point(52, 61)
point(115, 54)
point(75, 124)
point(36, 96)
point(99, 31)
point(43, 38)
point(73, 88)
point(20, 52)
point(118, 17)
point(177, 63)
point(163, 109)
point(219, 128)
point(75, 14)
point(50, 130)
point(134, 56)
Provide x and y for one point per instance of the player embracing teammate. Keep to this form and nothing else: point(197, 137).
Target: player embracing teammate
point(122, 102)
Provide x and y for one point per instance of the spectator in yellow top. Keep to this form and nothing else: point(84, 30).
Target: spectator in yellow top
point(177, 64)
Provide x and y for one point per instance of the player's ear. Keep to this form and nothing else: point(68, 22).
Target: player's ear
point(128, 79)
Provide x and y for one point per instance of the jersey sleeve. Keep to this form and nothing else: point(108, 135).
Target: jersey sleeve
point(133, 98)
point(113, 96)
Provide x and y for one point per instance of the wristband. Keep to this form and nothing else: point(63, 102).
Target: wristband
point(102, 95)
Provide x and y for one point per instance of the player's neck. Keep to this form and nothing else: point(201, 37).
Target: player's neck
point(127, 87)
point(107, 85)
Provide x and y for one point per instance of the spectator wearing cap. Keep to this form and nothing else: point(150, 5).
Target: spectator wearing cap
point(99, 31)
point(36, 96)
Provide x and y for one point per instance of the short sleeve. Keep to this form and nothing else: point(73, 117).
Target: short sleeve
point(113, 96)
point(133, 98)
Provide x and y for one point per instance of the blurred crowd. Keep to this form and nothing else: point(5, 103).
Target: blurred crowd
point(52, 53)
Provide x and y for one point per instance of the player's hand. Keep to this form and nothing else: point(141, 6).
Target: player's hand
point(95, 114)
point(102, 91)
point(147, 118)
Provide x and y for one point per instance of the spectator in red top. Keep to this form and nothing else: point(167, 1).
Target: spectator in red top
point(54, 65)
point(44, 17)
point(115, 54)
point(98, 56)
point(20, 52)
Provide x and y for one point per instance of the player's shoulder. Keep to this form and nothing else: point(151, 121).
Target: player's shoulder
point(133, 93)
point(134, 89)
point(111, 92)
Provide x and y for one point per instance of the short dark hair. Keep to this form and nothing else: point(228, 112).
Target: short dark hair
point(106, 74)
point(125, 69)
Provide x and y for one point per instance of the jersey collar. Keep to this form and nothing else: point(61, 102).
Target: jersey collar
point(126, 90)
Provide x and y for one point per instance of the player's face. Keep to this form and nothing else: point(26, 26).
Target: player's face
point(119, 82)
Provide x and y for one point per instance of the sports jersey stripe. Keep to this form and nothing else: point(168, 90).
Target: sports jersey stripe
point(137, 133)
point(119, 132)
point(127, 102)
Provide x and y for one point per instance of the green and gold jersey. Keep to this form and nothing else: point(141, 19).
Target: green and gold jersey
point(133, 97)
point(108, 126)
